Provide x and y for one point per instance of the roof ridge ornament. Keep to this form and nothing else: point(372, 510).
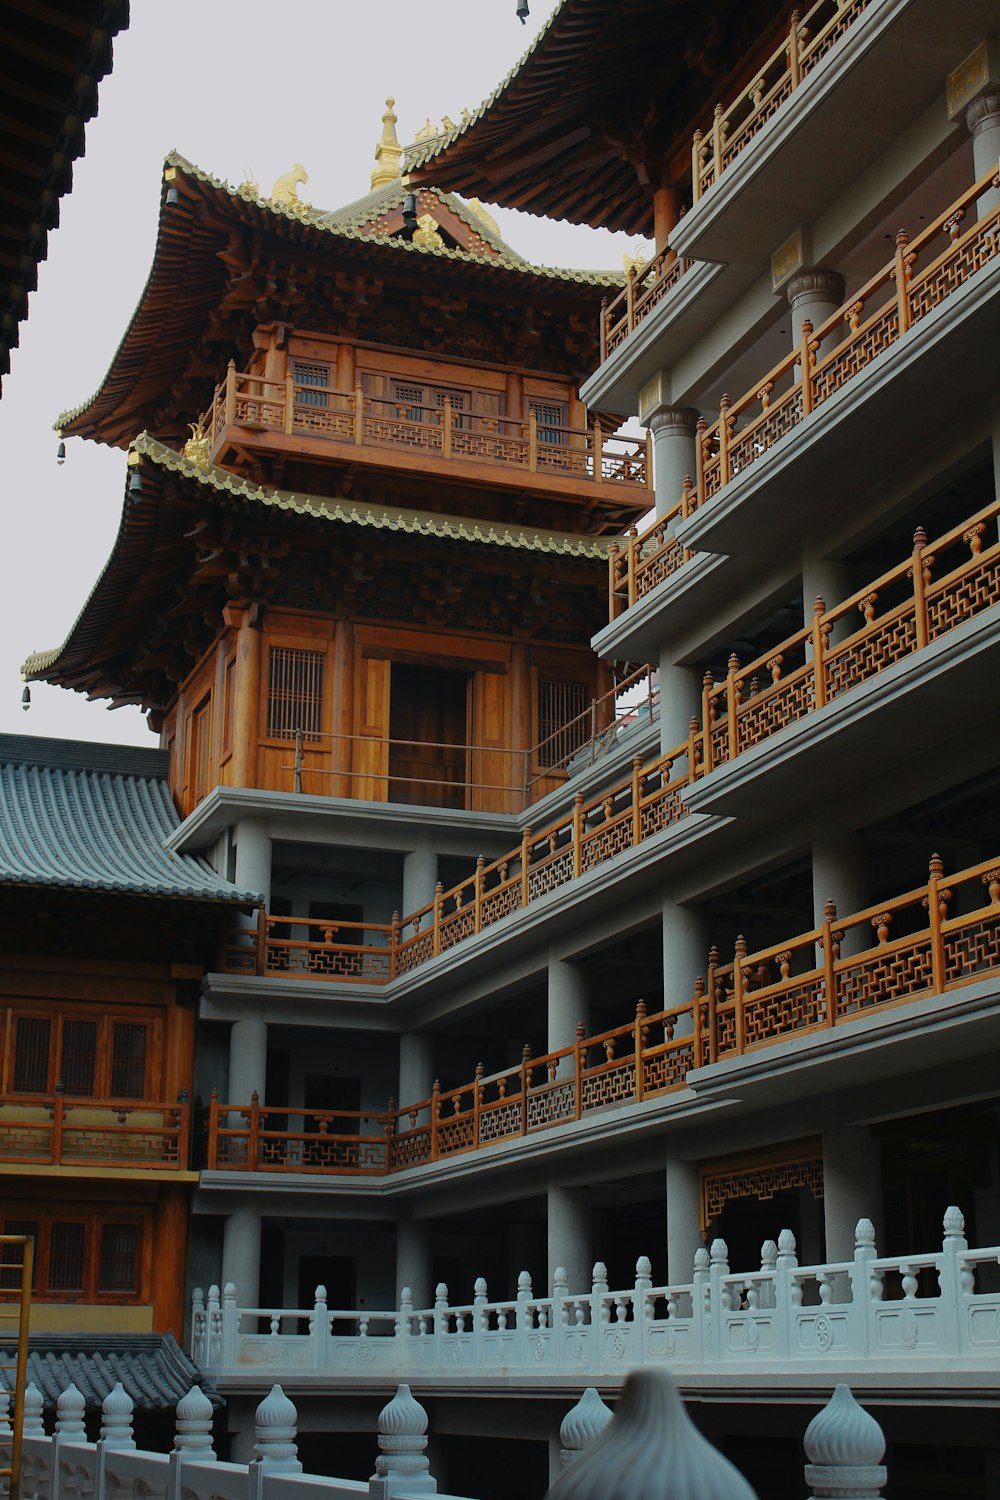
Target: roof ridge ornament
point(286, 191)
point(388, 152)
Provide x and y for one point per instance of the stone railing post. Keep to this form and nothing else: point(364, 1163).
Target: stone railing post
point(581, 1425)
point(641, 1307)
point(34, 1405)
point(274, 1434)
point(193, 1433)
point(116, 1419)
point(319, 1327)
point(213, 1327)
point(787, 1294)
point(440, 1320)
point(198, 1326)
point(957, 1281)
point(844, 1446)
point(402, 1439)
point(701, 1306)
point(860, 1276)
point(525, 1321)
point(651, 1450)
point(718, 1268)
point(70, 1407)
point(230, 1319)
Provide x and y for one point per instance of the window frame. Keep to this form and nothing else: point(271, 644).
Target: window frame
point(94, 1224)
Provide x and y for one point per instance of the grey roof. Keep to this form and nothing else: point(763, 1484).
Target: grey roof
point(153, 1368)
point(97, 830)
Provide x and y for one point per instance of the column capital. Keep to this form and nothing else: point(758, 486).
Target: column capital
point(983, 113)
point(815, 283)
point(681, 420)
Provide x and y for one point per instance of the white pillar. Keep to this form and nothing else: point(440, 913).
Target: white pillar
point(814, 294)
point(568, 1002)
point(413, 1261)
point(420, 873)
point(569, 1236)
point(416, 1067)
point(829, 579)
point(241, 1255)
point(253, 856)
point(685, 952)
point(983, 120)
point(673, 431)
point(840, 874)
point(680, 701)
point(247, 1060)
point(852, 1186)
point(683, 1219)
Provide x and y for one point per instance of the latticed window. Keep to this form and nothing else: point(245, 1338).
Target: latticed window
point(128, 1060)
point(311, 383)
point(294, 693)
point(118, 1264)
point(89, 1055)
point(11, 1256)
point(550, 418)
point(32, 1044)
point(563, 722)
point(78, 1056)
point(67, 1244)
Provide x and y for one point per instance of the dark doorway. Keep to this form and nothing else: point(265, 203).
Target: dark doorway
point(428, 730)
point(325, 1091)
point(338, 1273)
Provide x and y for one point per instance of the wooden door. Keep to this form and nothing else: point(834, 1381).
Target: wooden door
point(428, 732)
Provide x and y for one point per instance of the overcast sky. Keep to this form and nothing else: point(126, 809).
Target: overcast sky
point(243, 89)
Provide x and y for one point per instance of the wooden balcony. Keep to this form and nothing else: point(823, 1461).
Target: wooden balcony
point(942, 584)
point(647, 558)
point(644, 290)
point(52, 1130)
point(922, 275)
point(810, 37)
point(586, 466)
point(927, 942)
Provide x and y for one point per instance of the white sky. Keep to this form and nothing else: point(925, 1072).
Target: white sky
point(241, 88)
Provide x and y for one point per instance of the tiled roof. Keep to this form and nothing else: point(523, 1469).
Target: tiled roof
point(154, 1369)
point(95, 830)
point(390, 196)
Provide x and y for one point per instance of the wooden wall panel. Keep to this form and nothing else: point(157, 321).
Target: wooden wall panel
point(370, 759)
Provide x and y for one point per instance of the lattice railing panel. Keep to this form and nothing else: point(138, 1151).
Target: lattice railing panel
point(314, 1154)
point(852, 357)
point(414, 952)
point(456, 926)
point(762, 715)
point(320, 421)
point(960, 598)
point(550, 873)
point(402, 434)
point(612, 1085)
point(411, 1148)
point(877, 978)
point(456, 1134)
point(254, 411)
point(667, 808)
point(772, 1013)
point(606, 842)
point(867, 655)
point(668, 1070)
point(371, 965)
point(499, 903)
point(972, 949)
point(953, 270)
point(500, 1121)
point(552, 1103)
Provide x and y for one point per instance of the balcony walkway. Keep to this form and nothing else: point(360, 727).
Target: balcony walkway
point(53, 1130)
point(870, 1319)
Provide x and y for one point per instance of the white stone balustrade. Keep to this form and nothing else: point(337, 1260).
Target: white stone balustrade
point(852, 1318)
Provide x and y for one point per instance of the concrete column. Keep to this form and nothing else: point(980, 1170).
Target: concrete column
point(420, 873)
point(253, 856)
point(413, 1261)
point(680, 702)
point(685, 951)
point(839, 873)
point(247, 1060)
point(568, 1002)
point(814, 294)
point(241, 1255)
point(852, 1187)
point(416, 1067)
point(683, 1219)
point(673, 430)
point(983, 119)
point(569, 1237)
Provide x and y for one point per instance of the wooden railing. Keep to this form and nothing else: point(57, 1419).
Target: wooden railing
point(643, 290)
point(55, 1130)
point(937, 938)
point(810, 38)
point(942, 584)
point(355, 419)
point(648, 557)
point(895, 299)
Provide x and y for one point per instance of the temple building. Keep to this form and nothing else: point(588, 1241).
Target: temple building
point(607, 814)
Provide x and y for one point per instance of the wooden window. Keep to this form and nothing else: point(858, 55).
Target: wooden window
point(550, 418)
point(79, 1256)
point(563, 726)
point(417, 402)
point(201, 747)
point(118, 1270)
point(32, 1050)
point(89, 1054)
point(294, 693)
point(311, 383)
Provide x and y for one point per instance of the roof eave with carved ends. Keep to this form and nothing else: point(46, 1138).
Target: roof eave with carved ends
point(311, 226)
point(101, 602)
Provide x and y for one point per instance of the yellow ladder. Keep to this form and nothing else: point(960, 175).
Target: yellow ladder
point(17, 1253)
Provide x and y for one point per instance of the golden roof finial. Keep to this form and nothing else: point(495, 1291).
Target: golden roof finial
point(388, 152)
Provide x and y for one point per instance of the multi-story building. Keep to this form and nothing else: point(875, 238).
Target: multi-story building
point(719, 966)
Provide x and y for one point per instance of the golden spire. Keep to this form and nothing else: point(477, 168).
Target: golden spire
point(388, 152)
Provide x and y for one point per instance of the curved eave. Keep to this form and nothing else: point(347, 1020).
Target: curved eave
point(150, 554)
point(187, 282)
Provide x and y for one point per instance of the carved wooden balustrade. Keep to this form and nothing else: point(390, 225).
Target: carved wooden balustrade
point(895, 300)
point(356, 420)
point(56, 1130)
point(810, 38)
point(936, 938)
point(648, 557)
point(643, 290)
point(944, 582)
point(930, 941)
